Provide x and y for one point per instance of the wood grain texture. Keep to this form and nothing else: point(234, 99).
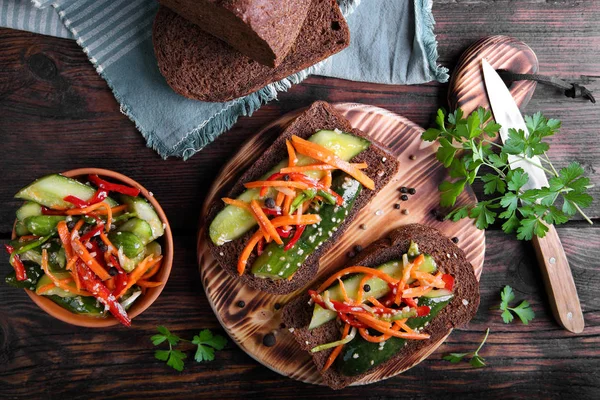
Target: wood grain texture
point(47, 107)
point(247, 326)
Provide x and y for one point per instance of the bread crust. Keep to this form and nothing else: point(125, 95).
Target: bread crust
point(320, 115)
point(450, 259)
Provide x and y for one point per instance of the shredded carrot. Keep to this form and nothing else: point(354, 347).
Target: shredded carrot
point(287, 204)
point(375, 302)
point(29, 237)
point(306, 219)
point(322, 154)
point(286, 191)
point(88, 209)
point(263, 221)
point(343, 290)
point(357, 269)
point(405, 327)
point(318, 167)
point(372, 322)
point(292, 160)
point(57, 281)
point(327, 179)
point(373, 339)
point(361, 288)
point(279, 199)
point(139, 271)
point(237, 203)
point(111, 249)
point(416, 291)
point(90, 261)
point(258, 184)
point(405, 335)
point(336, 351)
point(110, 283)
point(45, 288)
point(148, 284)
point(151, 272)
point(243, 260)
point(76, 228)
point(63, 233)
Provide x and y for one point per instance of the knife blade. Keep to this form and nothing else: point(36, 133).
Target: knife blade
point(549, 250)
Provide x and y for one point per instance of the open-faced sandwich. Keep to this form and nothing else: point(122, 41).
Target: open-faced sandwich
point(296, 200)
point(386, 311)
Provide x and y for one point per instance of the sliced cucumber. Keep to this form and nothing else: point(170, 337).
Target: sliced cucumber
point(88, 306)
point(33, 271)
point(127, 242)
point(145, 211)
point(232, 222)
point(153, 248)
point(50, 191)
point(55, 291)
point(21, 229)
point(129, 264)
point(139, 228)
point(30, 208)
point(379, 288)
point(43, 225)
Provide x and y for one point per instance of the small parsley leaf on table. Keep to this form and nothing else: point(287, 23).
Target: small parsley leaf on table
point(207, 344)
point(523, 310)
point(476, 360)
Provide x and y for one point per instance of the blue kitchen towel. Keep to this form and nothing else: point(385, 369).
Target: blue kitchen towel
point(392, 42)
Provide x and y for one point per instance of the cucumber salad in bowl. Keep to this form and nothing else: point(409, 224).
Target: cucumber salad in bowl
point(89, 245)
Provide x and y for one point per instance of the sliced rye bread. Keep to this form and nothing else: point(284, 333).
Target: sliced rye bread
point(320, 115)
point(263, 30)
point(449, 258)
point(199, 66)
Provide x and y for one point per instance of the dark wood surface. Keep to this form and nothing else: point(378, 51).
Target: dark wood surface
point(57, 114)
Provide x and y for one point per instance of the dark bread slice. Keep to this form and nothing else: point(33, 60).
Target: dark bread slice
point(319, 115)
point(263, 30)
point(199, 66)
point(449, 258)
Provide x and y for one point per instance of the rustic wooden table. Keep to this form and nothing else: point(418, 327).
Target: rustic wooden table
point(56, 114)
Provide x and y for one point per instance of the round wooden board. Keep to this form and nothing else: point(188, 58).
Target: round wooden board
point(247, 326)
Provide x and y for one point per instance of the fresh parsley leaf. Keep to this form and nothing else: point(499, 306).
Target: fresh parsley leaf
point(483, 214)
point(571, 199)
point(175, 360)
point(498, 160)
point(445, 153)
point(458, 213)
point(517, 178)
point(207, 344)
point(528, 145)
point(455, 357)
point(531, 226)
point(474, 125)
point(511, 224)
point(431, 134)
point(441, 116)
point(477, 361)
point(523, 310)
point(164, 334)
point(493, 184)
point(555, 216)
point(450, 192)
point(162, 355)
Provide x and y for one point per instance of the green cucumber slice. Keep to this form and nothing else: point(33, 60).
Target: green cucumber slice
point(30, 208)
point(50, 191)
point(55, 291)
point(276, 263)
point(21, 229)
point(43, 225)
point(87, 306)
point(127, 242)
point(139, 228)
point(144, 210)
point(232, 222)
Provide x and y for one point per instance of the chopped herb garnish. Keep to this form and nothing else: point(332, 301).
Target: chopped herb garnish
point(476, 360)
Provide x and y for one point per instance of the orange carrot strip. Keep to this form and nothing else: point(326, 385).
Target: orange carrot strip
point(318, 167)
point(405, 327)
point(306, 219)
point(264, 223)
point(88, 209)
point(327, 179)
point(334, 354)
point(361, 290)
point(343, 290)
point(110, 283)
point(279, 199)
point(372, 322)
point(90, 261)
point(151, 272)
point(45, 288)
point(375, 302)
point(237, 203)
point(148, 284)
point(405, 335)
point(259, 184)
point(292, 160)
point(111, 249)
point(322, 154)
point(243, 260)
point(287, 204)
point(357, 269)
point(139, 271)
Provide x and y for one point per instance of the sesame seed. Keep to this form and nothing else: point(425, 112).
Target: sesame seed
point(465, 302)
point(355, 355)
point(383, 159)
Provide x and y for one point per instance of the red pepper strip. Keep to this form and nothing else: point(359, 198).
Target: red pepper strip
point(48, 211)
point(295, 238)
point(309, 181)
point(410, 302)
point(113, 187)
point(449, 281)
point(423, 311)
point(121, 278)
point(350, 320)
point(99, 196)
point(283, 233)
point(275, 176)
point(20, 272)
point(92, 233)
point(94, 285)
point(260, 246)
point(270, 211)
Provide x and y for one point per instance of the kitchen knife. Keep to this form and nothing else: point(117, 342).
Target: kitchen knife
point(549, 251)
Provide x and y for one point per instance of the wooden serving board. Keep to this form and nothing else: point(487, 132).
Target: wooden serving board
point(262, 314)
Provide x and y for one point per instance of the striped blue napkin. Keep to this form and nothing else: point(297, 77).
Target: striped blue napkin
point(392, 42)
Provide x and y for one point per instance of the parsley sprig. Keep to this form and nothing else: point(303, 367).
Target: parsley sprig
point(523, 310)
point(467, 144)
point(476, 360)
point(205, 341)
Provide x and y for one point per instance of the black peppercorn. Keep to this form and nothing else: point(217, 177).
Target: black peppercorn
point(241, 304)
point(71, 225)
point(358, 248)
point(286, 177)
point(440, 217)
point(397, 206)
point(112, 271)
point(403, 189)
point(455, 239)
point(269, 340)
point(404, 197)
point(412, 191)
point(277, 306)
point(367, 288)
point(269, 202)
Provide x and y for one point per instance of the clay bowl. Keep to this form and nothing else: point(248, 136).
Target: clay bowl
point(144, 301)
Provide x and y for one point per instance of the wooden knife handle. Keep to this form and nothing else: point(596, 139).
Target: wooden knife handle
point(558, 279)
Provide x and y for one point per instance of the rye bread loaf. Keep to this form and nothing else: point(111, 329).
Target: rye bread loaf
point(199, 66)
point(450, 260)
point(318, 116)
point(263, 30)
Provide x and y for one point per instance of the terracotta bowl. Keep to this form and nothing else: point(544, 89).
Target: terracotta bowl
point(144, 301)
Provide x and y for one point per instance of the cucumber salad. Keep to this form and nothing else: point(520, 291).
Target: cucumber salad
point(379, 309)
point(297, 206)
point(89, 247)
